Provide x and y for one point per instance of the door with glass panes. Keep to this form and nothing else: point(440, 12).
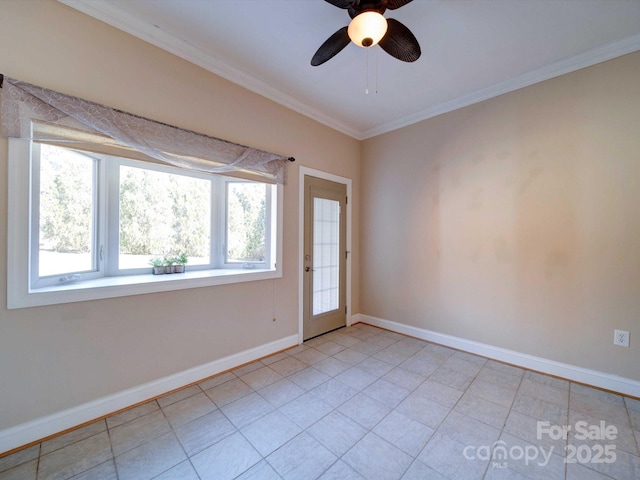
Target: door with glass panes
point(324, 263)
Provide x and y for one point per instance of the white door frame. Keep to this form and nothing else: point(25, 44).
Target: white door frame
point(334, 178)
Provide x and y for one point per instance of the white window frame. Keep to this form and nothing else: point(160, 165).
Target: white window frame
point(20, 293)
point(112, 244)
point(96, 271)
point(224, 233)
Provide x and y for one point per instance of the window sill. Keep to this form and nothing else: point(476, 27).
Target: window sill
point(112, 287)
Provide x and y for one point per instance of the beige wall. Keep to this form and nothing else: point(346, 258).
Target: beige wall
point(514, 222)
point(57, 357)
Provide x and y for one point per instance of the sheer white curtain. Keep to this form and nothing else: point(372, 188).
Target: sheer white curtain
point(40, 114)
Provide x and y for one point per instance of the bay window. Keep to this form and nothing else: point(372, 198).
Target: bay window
point(97, 195)
point(93, 223)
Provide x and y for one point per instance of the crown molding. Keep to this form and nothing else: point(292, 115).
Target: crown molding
point(115, 17)
point(567, 65)
point(150, 33)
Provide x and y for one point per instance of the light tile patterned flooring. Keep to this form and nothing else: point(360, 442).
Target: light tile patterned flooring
point(357, 403)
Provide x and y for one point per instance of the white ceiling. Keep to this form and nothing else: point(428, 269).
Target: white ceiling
point(471, 50)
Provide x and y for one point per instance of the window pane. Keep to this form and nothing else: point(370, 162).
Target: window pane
point(163, 214)
point(326, 255)
point(246, 222)
point(66, 211)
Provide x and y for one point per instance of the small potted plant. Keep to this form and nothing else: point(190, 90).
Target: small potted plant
point(158, 266)
point(180, 262)
point(169, 264)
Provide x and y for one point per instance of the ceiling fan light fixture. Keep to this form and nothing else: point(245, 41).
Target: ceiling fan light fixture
point(367, 29)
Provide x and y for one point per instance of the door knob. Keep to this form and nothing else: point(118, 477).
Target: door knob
point(309, 269)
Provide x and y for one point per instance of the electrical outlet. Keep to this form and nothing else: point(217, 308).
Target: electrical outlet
point(621, 338)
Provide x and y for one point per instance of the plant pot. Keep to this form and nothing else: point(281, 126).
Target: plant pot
point(179, 268)
point(169, 269)
point(158, 270)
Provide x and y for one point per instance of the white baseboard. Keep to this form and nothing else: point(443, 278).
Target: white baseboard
point(595, 378)
point(43, 427)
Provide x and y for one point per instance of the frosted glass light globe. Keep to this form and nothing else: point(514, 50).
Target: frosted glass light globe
point(367, 29)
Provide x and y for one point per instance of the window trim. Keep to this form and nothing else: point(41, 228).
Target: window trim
point(20, 295)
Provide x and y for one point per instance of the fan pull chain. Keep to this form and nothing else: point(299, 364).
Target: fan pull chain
point(366, 90)
point(377, 57)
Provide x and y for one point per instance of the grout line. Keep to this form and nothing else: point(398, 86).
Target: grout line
point(39, 456)
point(634, 433)
point(504, 424)
point(113, 455)
point(171, 429)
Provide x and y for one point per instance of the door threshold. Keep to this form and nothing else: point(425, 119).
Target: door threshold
point(325, 333)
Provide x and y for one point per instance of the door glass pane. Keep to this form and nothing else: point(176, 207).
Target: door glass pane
point(326, 255)
point(66, 211)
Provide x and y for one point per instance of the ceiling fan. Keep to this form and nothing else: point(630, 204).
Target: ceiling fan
point(368, 27)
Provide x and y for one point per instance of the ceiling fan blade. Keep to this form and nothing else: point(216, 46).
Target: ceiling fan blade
point(340, 3)
point(394, 4)
point(399, 42)
point(331, 47)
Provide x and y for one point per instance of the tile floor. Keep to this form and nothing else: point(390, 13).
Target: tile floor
point(357, 403)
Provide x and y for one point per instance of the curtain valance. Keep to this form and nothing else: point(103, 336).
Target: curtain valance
point(40, 114)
